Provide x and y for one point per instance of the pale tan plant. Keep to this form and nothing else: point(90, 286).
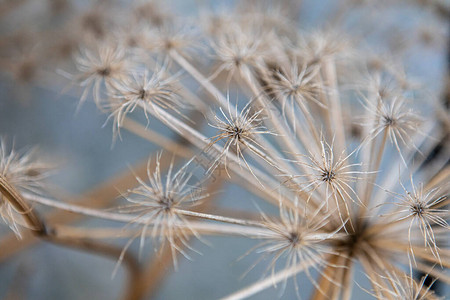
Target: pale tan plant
point(343, 198)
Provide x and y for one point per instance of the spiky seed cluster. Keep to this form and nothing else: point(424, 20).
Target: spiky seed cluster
point(396, 120)
point(303, 75)
point(22, 171)
point(316, 48)
point(425, 209)
point(145, 90)
point(157, 204)
point(100, 67)
point(235, 49)
point(240, 131)
point(402, 286)
point(298, 240)
point(167, 37)
point(332, 176)
point(297, 84)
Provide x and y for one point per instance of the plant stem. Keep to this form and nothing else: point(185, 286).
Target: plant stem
point(22, 207)
point(335, 105)
point(203, 227)
point(220, 218)
point(39, 229)
point(372, 177)
point(201, 142)
point(155, 137)
point(269, 281)
point(202, 80)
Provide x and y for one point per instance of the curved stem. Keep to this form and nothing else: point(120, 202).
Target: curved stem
point(22, 207)
point(269, 281)
point(202, 227)
point(39, 229)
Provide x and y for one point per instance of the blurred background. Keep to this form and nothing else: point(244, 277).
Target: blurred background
point(37, 108)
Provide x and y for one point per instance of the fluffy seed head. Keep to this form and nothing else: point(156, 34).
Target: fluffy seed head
point(297, 239)
point(157, 203)
point(425, 209)
point(23, 172)
point(395, 119)
point(100, 67)
point(141, 88)
point(239, 131)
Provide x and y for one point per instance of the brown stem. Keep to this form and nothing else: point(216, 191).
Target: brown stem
point(105, 250)
point(98, 197)
point(22, 207)
point(154, 273)
point(325, 286)
point(39, 229)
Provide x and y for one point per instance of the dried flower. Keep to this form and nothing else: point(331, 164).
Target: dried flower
point(400, 286)
point(292, 142)
point(334, 176)
point(297, 239)
point(145, 90)
point(22, 171)
point(424, 209)
point(234, 49)
point(395, 120)
point(157, 203)
point(240, 131)
point(100, 67)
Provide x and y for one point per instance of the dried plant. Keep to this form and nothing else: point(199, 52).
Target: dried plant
point(310, 135)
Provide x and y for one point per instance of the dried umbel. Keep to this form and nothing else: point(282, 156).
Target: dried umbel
point(395, 120)
point(344, 198)
point(298, 239)
point(404, 287)
point(100, 67)
point(160, 205)
point(305, 162)
point(142, 89)
point(424, 210)
point(331, 177)
point(240, 131)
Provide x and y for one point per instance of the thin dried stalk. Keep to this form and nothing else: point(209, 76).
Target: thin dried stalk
point(40, 230)
point(259, 286)
point(154, 137)
point(99, 197)
point(22, 207)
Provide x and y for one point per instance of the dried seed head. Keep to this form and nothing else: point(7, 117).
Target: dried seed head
point(99, 68)
point(156, 203)
point(239, 131)
point(142, 88)
point(424, 209)
point(179, 37)
point(23, 172)
point(296, 84)
point(268, 17)
point(316, 48)
point(214, 24)
point(395, 119)
point(403, 286)
point(297, 239)
point(330, 177)
point(235, 49)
